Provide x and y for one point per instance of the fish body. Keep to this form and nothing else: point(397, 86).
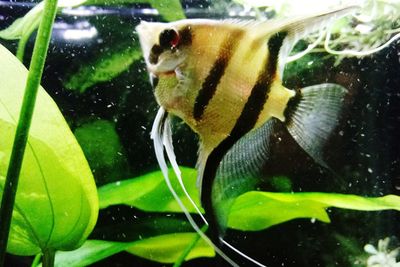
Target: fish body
point(209, 86)
point(224, 79)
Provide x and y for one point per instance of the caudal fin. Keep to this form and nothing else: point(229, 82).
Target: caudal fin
point(311, 116)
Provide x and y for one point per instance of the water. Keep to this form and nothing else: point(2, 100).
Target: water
point(95, 74)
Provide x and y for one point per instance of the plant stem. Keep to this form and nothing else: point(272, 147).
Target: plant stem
point(24, 122)
point(36, 260)
point(189, 248)
point(48, 258)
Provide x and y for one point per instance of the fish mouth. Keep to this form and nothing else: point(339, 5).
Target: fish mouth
point(164, 73)
point(158, 72)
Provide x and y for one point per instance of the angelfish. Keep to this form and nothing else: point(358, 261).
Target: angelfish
point(224, 79)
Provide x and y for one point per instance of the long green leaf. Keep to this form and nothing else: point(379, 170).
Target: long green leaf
point(91, 251)
point(23, 25)
point(164, 248)
point(104, 68)
point(56, 203)
point(251, 211)
point(254, 211)
point(149, 192)
point(168, 248)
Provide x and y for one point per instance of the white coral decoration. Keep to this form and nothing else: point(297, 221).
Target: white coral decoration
point(382, 257)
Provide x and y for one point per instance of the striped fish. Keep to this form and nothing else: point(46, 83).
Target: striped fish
point(224, 79)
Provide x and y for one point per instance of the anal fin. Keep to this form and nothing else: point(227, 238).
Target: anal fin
point(240, 170)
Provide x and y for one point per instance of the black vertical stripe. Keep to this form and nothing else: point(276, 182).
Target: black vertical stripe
point(291, 107)
point(185, 35)
point(210, 84)
point(260, 91)
point(244, 124)
point(155, 53)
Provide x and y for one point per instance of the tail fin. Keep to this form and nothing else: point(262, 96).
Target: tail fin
point(312, 114)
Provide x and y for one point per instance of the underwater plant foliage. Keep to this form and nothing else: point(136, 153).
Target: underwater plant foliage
point(163, 248)
point(252, 211)
point(104, 68)
point(153, 194)
point(22, 28)
point(169, 9)
point(46, 215)
point(281, 207)
point(107, 162)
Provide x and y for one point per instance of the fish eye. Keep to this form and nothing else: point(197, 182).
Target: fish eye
point(169, 38)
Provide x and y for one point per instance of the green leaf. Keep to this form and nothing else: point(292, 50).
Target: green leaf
point(164, 248)
point(254, 211)
point(170, 10)
point(127, 233)
point(91, 251)
point(104, 68)
point(56, 204)
point(168, 248)
point(149, 192)
point(113, 2)
point(251, 211)
point(23, 25)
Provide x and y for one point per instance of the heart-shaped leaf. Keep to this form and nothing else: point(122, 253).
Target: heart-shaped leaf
point(56, 204)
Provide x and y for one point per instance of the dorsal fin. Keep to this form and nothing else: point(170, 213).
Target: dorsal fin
point(297, 27)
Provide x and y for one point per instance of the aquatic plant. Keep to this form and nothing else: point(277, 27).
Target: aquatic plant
point(162, 238)
point(46, 217)
point(252, 211)
point(23, 27)
point(382, 256)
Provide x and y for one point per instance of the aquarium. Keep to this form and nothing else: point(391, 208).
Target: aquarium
point(200, 133)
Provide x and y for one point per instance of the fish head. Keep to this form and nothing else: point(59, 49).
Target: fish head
point(170, 59)
point(164, 46)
